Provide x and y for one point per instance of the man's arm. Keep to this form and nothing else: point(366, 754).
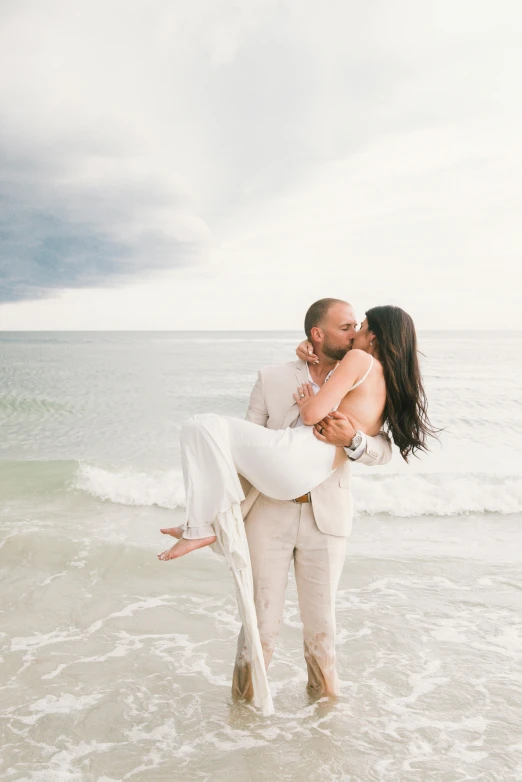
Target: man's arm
point(336, 429)
point(257, 412)
point(373, 451)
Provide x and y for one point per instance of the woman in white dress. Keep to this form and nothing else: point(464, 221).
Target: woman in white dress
point(376, 384)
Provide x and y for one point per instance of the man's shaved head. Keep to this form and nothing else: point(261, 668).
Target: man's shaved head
point(317, 313)
point(330, 325)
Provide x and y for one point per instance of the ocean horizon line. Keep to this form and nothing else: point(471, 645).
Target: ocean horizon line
point(228, 331)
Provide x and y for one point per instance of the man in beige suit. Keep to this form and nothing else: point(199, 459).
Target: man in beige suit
point(310, 530)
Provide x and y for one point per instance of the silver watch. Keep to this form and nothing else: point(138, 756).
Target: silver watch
point(357, 440)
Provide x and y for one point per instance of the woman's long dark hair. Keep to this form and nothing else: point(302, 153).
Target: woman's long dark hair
point(406, 411)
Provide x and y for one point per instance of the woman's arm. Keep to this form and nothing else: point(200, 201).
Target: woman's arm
point(305, 351)
point(314, 408)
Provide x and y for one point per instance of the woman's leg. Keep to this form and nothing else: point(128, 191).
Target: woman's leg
point(214, 493)
point(282, 464)
point(184, 546)
point(211, 482)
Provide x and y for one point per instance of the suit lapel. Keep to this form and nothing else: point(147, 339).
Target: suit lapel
point(292, 414)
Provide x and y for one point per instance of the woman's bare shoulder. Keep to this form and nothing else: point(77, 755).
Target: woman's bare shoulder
point(356, 358)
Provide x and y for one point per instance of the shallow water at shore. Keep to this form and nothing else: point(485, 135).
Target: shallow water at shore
point(115, 666)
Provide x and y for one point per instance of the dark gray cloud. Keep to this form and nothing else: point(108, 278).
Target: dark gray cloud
point(57, 232)
point(90, 190)
point(42, 252)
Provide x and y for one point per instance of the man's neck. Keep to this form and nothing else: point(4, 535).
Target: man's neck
point(318, 372)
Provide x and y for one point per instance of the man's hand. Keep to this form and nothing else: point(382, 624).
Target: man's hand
point(335, 429)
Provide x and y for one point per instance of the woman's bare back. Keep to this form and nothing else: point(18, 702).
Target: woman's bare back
point(364, 406)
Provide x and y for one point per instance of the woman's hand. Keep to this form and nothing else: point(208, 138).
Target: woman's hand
point(305, 351)
point(304, 393)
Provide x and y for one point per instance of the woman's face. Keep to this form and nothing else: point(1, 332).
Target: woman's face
point(363, 337)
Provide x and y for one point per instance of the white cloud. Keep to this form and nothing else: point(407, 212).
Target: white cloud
point(236, 161)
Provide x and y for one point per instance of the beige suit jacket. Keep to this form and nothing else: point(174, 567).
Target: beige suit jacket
point(272, 405)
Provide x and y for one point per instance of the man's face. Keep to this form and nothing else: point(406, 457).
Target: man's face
point(338, 331)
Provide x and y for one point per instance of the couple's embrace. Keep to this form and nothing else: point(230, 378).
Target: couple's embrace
point(306, 422)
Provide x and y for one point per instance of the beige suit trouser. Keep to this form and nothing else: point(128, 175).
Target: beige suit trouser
point(278, 532)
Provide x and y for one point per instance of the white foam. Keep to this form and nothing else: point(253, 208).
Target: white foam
point(441, 494)
point(132, 487)
point(51, 578)
point(449, 635)
point(38, 640)
point(142, 605)
point(64, 763)
point(433, 494)
point(62, 704)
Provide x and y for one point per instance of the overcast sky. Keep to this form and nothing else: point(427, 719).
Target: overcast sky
point(217, 164)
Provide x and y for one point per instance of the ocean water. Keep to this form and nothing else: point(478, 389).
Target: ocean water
point(116, 666)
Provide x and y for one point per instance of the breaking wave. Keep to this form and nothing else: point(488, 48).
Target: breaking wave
point(441, 494)
point(430, 494)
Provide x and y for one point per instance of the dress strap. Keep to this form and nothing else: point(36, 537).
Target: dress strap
point(363, 378)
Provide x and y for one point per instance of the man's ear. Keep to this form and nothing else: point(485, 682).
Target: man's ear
point(316, 334)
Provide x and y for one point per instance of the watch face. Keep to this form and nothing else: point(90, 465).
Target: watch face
point(357, 440)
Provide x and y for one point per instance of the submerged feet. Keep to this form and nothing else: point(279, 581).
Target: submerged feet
point(184, 545)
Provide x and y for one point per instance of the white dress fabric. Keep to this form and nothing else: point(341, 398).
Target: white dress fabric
point(282, 464)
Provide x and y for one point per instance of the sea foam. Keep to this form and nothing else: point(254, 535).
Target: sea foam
point(434, 494)
point(132, 487)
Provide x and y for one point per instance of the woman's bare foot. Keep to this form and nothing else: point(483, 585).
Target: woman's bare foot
point(176, 532)
point(185, 546)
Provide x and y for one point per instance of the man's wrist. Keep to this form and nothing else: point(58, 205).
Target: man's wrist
point(356, 440)
point(357, 447)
